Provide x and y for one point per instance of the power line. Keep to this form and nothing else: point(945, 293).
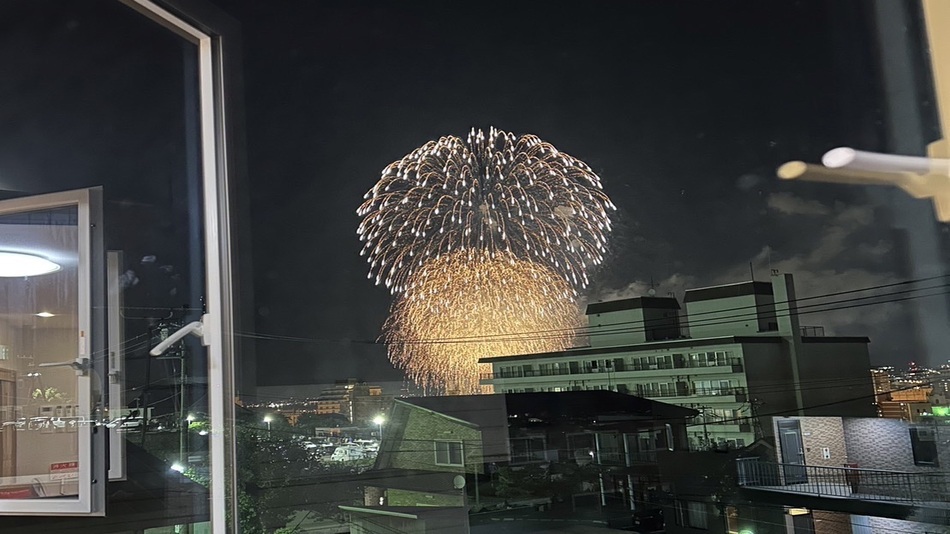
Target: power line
point(599, 331)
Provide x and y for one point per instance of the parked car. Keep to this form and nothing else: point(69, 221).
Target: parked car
point(649, 520)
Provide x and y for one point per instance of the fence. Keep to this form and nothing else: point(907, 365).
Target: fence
point(846, 482)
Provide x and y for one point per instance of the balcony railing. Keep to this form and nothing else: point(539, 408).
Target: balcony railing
point(585, 455)
point(713, 392)
point(844, 482)
point(735, 363)
point(689, 392)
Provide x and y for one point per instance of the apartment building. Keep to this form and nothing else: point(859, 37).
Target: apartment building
point(737, 355)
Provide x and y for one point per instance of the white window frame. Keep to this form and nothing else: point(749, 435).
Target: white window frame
point(204, 31)
point(448, 452)
point(90, 437)
point(116, 365)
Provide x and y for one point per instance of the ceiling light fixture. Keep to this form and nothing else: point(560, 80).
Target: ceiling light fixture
point(45, 314)
point(18, 265)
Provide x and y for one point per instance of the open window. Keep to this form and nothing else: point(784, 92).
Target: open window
point(52, 446)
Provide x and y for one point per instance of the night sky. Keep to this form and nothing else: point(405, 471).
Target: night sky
point(684, 109)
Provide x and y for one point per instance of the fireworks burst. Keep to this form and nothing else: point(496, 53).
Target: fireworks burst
point(498, 193)
point(468, 305)
point(485, 243)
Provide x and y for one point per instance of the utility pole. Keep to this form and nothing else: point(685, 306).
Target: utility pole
point(705, 427)
point(756, 424)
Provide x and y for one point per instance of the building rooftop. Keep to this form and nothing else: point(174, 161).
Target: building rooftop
point(591, 405)
point(666, 303)
point(740, 289)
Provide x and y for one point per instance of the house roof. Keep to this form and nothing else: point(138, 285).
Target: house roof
point(592, 406)
point(407, 479)
point(406, 512)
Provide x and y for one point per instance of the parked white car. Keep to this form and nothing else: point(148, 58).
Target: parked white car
point(348, 452)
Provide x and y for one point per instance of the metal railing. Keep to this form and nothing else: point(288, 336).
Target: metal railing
point(519, 372)
point(712, 392)
point(844, 482)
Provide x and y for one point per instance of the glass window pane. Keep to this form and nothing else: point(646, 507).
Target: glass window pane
point(41, 338)
point(98, 95)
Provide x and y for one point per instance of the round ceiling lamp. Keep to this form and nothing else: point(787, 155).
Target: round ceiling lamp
point(18, 264)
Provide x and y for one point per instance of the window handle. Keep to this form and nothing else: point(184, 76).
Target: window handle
point(920, 177)
point(80, 365)
point(196, 328)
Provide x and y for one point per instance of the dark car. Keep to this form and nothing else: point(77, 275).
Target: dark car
point(650, 520)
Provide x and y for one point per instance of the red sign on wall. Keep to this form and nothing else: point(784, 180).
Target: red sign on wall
point(63, 470)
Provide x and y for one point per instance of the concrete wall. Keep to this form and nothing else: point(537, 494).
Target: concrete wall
point(835, 378)
point(770, 384)
point(661, 324)
point(730, 316)
point(630, 321)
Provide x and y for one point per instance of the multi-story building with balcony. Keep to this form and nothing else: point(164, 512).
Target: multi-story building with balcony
point(737, 355)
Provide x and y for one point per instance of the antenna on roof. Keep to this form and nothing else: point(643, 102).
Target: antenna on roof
point(652, 291)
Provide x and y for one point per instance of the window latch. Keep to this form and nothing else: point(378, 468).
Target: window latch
point(80, 365)
point(195, 328)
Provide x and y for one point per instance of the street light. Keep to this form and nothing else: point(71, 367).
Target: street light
point(379, 420)
point(268, 419)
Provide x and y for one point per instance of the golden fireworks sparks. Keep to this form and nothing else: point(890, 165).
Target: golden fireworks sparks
point(484, 242)
point(464, 306)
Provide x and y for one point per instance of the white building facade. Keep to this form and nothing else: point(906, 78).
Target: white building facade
point(747, 360)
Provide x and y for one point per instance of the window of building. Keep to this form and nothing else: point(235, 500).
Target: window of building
point(923, 442)
point(691, 514)
point(713, 387)
point(527, 449)
point(449, 453)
